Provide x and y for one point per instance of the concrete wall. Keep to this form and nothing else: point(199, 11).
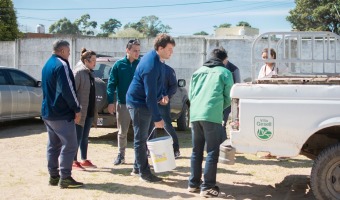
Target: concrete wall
point(190, 53)
point(30, 54)
point(7, 53)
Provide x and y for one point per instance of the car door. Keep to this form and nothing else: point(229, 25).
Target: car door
point(6, 100)
point(178, 100)
point(27, 93)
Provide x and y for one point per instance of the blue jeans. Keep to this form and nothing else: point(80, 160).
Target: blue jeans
point(165, 113)
point(61, 146)
point(211, 134)
point(141, 118)
point(83, 137)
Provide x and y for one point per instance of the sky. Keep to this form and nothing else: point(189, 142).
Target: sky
point(185, 17)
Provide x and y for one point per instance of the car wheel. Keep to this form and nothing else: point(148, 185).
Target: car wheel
point(101, 96)
point(325, 176)
point(183, 120)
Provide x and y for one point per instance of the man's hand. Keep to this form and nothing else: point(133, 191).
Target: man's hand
point(164, 101)
point(77, 118)
point(159, 124)
point(111, 108)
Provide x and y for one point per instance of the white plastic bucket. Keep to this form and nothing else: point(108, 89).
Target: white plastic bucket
point(162, 154)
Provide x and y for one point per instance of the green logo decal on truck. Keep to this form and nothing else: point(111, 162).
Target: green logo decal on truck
point(264, 127)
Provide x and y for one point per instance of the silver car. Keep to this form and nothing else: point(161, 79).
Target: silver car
point(20, 95)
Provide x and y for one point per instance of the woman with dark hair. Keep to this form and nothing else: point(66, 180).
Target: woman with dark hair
point(268, 69)
point(85, 89)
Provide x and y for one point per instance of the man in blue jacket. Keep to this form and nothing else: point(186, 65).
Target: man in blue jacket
point(170, 88)
point(142, 98)
point(60, 111)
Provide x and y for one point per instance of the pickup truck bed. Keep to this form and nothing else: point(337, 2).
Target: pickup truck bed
point(294, 112)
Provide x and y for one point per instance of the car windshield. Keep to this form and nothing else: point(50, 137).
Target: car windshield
point(102, 69)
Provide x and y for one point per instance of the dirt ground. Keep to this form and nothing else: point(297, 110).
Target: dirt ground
point(23, 171)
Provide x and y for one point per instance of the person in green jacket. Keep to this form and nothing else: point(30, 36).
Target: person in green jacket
point(119, 81)
point(209, 95)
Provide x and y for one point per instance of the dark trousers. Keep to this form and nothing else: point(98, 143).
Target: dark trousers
point(211, 135)
point(83, 138)
point(141, 118)
point(61, 147)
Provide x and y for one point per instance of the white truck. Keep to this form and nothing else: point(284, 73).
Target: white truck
point(297, 111)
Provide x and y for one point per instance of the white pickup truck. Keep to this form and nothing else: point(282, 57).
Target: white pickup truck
point(297, 111)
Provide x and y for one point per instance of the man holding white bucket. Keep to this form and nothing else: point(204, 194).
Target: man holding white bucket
point(142, 98)
point(209, 95)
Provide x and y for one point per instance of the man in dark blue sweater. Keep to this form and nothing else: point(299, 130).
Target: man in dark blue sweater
point(142, 98)
point(60, 111)
point(170, 88)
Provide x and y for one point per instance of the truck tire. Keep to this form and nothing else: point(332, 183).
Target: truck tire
point(325, 176)
point(183, 120)
point(101, 96)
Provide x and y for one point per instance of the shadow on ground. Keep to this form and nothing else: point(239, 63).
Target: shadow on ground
point(10, 129)
point(293, 187)
point(298, 188)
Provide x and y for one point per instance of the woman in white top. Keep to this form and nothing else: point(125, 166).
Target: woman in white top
point(267, 70)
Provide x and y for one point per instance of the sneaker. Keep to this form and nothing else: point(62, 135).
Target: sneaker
point(77, 166)
point(54, 180)
point(87, 164)
point(150, 178)
point(210, 193)
point(69, 182)
point(134, 172)
point(119, 160)
point(194, 189)
point(177, 154)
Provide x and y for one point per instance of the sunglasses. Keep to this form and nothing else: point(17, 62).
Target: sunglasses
point(135, 41)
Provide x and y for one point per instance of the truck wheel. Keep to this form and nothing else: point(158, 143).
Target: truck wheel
point(101, 97)
point(183, 120)
point(325, 176)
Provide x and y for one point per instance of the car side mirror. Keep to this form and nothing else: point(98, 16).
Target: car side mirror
point(181, 83)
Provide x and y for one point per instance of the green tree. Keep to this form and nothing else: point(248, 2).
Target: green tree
point(225, 25)
point(243, 23)
point(64, 26)
point(138, 26)
point(315, 15)
point(150, 26)
point(109, 27)
point(201, 33)
point(85, 26)
point(8, 21)
point(129, 33)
